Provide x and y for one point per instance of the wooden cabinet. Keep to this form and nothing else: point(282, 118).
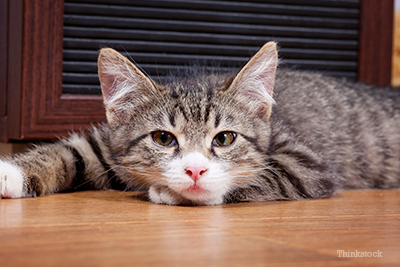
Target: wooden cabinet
point(32, 103)
point(36, 107)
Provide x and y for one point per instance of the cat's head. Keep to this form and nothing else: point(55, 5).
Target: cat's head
point(194, 140)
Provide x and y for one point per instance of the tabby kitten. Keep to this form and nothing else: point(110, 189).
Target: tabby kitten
point(210, 138)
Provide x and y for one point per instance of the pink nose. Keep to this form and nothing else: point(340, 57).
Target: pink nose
point(195, 172)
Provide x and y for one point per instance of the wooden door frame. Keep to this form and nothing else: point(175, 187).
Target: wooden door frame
point(36, 107)
point(376, 42)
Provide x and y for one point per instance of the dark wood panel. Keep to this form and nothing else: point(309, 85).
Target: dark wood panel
point(46, 113)
point(376, 33)
point(3, 56)
point(3, 132)
point(14, 76)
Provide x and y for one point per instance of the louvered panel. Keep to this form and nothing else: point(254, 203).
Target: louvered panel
point(206, 49)
point(210, 27)
point(206, 16)
point(226, 39)
point(324, 8)
point(165, 35)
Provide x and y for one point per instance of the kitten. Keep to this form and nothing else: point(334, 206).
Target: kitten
point(210, 138)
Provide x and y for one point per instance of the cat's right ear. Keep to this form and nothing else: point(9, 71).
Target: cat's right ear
point(125, 88)
point(254, 84)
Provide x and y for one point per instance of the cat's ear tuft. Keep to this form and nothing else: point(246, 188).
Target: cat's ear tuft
point(125, 88)
point(254, 84)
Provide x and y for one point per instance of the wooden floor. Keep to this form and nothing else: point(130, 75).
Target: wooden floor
point(110, 228)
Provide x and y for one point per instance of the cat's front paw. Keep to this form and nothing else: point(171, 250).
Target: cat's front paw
point(164, 195)
point(11, 181)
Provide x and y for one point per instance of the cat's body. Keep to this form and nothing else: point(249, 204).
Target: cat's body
point(211, 138)
point(352, 127)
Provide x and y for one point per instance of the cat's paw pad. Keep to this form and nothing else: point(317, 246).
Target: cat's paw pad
point(11, 181)
point(164, 195)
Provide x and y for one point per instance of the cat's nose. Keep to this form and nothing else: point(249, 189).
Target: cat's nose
point(195, 172)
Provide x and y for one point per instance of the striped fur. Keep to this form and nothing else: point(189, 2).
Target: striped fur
point(318, 134)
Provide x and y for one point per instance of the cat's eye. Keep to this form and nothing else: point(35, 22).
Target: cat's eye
point(224, 138)
point(164, 138)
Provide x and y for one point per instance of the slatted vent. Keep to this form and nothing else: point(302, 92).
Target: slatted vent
point(165, 34)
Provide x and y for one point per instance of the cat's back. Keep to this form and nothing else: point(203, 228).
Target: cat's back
point(307, 94)
point(352, 126)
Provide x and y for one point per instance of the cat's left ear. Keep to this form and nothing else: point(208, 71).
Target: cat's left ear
point(126, 90)
point(254, 84)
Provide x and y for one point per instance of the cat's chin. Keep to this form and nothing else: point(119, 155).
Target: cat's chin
point(195, 190)
point(194, 195)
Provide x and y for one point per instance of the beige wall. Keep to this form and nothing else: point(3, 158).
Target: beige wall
point(7, 149)
point(396, 50)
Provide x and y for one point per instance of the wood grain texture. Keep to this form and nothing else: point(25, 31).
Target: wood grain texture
point(13, 128)
point(3, 57)
point(36, 107)
point(111, 228)
point(3, 129)
point(47, 112)
point(375, 45)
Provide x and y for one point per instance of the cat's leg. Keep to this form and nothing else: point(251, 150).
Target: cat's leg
point(289, 176)
point(164, 195)
point(69, 164)
point(43, 170)
point(11, 180)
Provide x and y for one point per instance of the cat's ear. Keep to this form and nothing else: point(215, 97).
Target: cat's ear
point(254, 84)
point(125, 88)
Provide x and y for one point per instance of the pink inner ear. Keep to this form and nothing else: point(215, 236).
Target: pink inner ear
point(107, 84)
point(256, 83)
point(267, 78)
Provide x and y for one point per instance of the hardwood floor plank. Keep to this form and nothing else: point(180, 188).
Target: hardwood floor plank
point(110, 228)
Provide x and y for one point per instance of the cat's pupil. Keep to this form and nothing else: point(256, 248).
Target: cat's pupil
point(164, 138)
point(222, 138)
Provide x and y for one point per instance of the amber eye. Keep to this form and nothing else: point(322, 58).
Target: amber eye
point(224, 138)
point(164, 138)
